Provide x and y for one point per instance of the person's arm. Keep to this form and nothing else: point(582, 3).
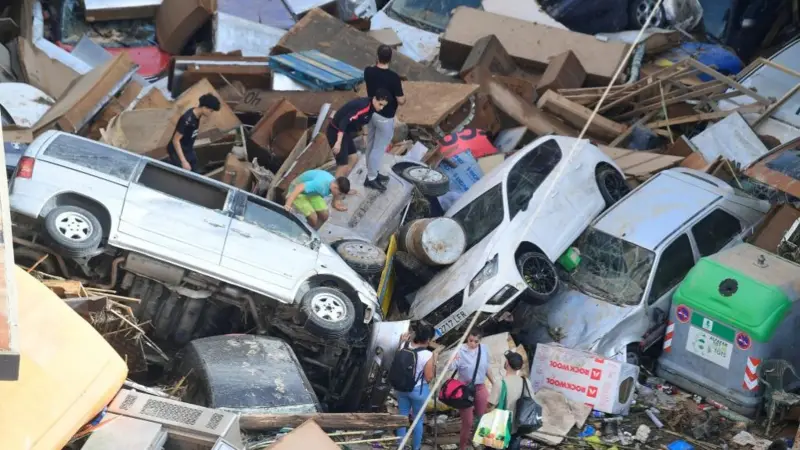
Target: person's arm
point(293, 195)
point(494, 396)
point(428, 371)
point(399, 95)
point(489, 376)
point(176, 142)
point(337, 147)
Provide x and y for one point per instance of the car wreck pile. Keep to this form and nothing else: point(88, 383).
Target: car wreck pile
point(634, 235)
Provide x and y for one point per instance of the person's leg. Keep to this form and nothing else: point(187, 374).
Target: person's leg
point(404, 407)
point(372, 128)
point(467, 415)
point(384, 131)
point(347, 157)
point(320, 208)
point(481, 402)
point(418, 404)
point(303, 205)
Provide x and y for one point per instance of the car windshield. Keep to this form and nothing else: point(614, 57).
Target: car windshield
point(482, 216)
point(107, 34)
point(612, 269)
point(432, 14)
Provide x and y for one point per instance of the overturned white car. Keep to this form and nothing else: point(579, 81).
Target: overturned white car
point(519, 219)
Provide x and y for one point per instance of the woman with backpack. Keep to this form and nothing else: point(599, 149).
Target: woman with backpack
point(411, 371)
point(472, 368)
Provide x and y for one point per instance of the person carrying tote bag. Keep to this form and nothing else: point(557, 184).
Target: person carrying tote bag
point(466, 391)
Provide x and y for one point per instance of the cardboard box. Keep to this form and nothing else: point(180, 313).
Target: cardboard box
point(178, 20)
point(307, 436)
point(604, 384)
point(237, 172)
point(563, 72)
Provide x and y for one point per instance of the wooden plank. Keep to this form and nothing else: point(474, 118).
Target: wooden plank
point(526, 114)
point(703, 117)
point(333, 421)
point(531, 44)
point(318, 30)
point(638, 163)
point(9, 313)
point(309, 103)
point(624, 135)
point(727, 80)
point(776, 105)
point(578, 115)
point(681, 98)
point(427, 103)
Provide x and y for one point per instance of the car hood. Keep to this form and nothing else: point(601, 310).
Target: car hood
point(453, 279)
point(419, 45)
point(578, 319)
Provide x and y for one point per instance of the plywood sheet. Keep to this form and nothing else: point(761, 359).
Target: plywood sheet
point(428, 103)
point(318, 30)
point(531, 44)
point(637, 163)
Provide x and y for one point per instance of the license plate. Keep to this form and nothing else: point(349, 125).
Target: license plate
point(450, 323)
point(709, 347)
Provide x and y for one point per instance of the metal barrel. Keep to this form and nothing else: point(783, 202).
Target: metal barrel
point(436, 242)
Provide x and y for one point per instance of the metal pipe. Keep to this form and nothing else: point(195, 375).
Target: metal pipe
point(114, 271)
point(61, 264)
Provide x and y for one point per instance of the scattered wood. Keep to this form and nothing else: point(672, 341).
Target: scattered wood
point(332, 421)
point(641, 164)
point(428, 103)
point(703, 117)
point(526, 114)
point(577, 116)
point(65, 288)
point(564, 71)
point(488, 54)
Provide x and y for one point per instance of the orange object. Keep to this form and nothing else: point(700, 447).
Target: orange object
point(68, 372)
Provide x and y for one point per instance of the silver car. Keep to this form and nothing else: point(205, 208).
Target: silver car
point(633, 257)
point(89, 198)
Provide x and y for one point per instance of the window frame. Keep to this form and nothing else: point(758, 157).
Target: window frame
point(696, 236)
point(503, 206)
point(229, 190)
point(136, 160)
point(534, 153)
point(241, 209)
point(651, 298)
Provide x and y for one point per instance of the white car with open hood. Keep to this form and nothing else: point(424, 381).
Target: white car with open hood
point(519, 219)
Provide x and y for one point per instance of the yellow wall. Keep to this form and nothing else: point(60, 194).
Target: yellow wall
point(68, 372)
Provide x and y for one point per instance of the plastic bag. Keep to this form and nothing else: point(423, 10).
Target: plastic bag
point(527, 413)
point(494, 428)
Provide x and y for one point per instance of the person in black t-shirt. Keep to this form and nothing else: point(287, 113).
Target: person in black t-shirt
point(381, 125)
point(348, 121)
point(181, 146)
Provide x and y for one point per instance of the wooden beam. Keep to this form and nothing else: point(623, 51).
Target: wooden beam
point(703, 116)
point(524, 113)
point(656, 105)
point(727, 80)
point(577, 115)
point(776, 105)
point(621, 138)
point(775, 65)
point(332, 421)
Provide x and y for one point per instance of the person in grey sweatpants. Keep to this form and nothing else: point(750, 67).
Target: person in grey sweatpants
point(380, 129)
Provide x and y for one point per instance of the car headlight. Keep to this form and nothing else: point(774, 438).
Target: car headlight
point(488, 271)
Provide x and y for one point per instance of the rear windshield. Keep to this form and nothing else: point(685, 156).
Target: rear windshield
point(92, 155)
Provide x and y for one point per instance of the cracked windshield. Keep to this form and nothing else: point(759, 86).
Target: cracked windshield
point(429, 14)
point(612, 269)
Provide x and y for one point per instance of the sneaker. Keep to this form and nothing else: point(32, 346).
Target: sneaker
point(383, 179)
point(374, 184)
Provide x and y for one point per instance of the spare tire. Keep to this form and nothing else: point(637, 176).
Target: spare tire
point(330, 313)
point(430, 182)
point(76, 231)
point(363, 257)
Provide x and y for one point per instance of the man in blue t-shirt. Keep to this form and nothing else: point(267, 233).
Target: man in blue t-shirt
point(308, 191)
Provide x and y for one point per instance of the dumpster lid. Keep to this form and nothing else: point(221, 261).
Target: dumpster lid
point(745, 287)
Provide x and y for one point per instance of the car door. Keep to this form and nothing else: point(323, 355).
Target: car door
point(176, 215)
point(675, 261)
point(268, 245)
point(716, 231)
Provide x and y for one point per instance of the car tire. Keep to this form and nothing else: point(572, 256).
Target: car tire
point(329, 312)
point(76, 231)
point(542, 281)
point(430, 182)
point(638, 10)
point(414, 267)
point(363, 257)
point(612, 185)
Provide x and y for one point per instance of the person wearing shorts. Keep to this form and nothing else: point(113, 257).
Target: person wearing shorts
point(308, 191)
point(348, 121)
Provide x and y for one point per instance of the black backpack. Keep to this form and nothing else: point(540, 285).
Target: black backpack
point(402, 373)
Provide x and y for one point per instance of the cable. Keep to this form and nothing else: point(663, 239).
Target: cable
point(559, 173)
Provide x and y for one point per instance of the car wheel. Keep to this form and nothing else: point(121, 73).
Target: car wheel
point(612, 185)
point(539, 274)
point(633, 355)
point(639, 10)
point(363, 257)
point(74, 230)
point(430, 182)
point(330, 313)
point(414, 267)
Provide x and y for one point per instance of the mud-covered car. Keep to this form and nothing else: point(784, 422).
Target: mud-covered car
point(633, 257)
point(204, 257)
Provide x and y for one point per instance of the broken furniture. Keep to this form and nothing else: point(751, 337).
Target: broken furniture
point(317, 71)
point(773, 374)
